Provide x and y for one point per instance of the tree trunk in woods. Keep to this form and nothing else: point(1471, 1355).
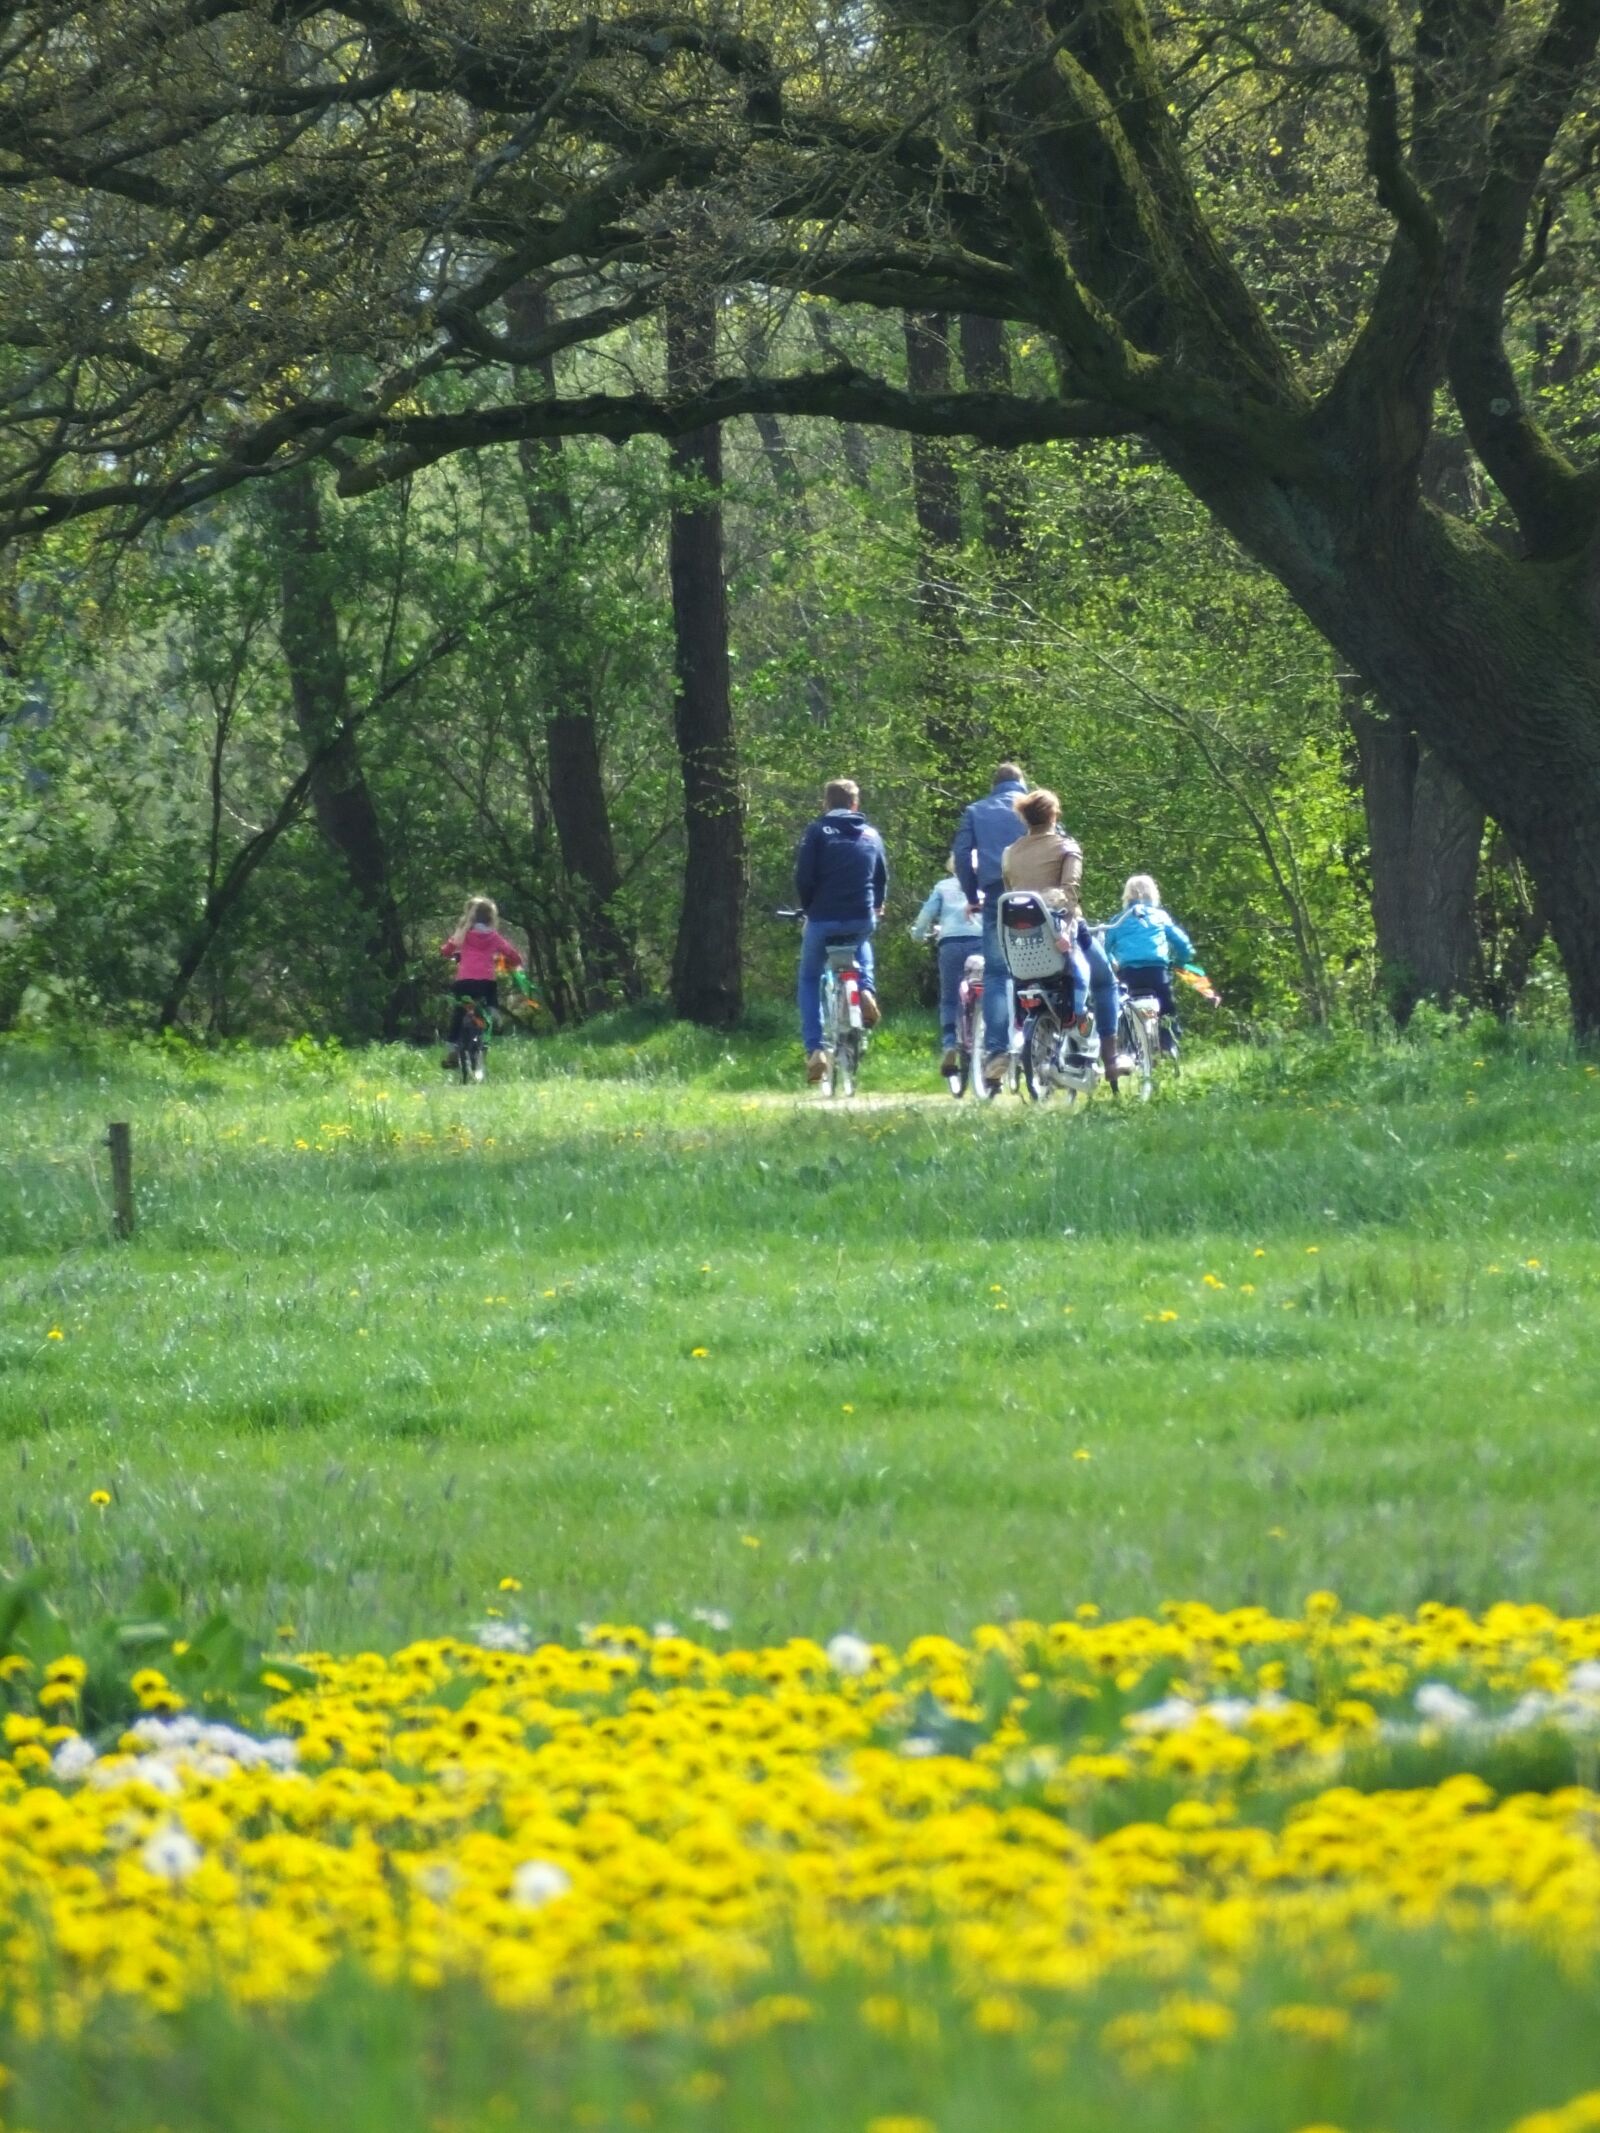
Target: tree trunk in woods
point(707, 967)
point(1001, 490)
point(578, 802)
point(790, 484)
point(936, 501)
point(341, 800)
point(1492, 660)
point(852, 438)
point(1425, 836)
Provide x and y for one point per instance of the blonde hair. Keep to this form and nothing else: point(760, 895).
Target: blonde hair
point(1140, 889)
point(1038, 808)
point(480, 911)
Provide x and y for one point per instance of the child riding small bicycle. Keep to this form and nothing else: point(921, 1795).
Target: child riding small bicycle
point(1145, 943)
point(479, 951)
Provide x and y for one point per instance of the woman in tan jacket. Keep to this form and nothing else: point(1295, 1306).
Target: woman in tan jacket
point(1045, 858)
point(1050, 862)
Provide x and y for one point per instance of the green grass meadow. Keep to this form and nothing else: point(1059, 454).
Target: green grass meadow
point(644, 1326)
point(1327, 1319)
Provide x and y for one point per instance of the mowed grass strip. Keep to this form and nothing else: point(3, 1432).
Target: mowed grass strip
point(633, 1327)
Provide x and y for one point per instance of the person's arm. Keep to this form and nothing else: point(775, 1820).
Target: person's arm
point(805, 868)
point(1070, 875)
point(880, 878)
point(966, 860)
point(923, 922)
point(450, 947)
point(1180, 940)
point(1112, 928)
point(1005, 864)
point(508, 949)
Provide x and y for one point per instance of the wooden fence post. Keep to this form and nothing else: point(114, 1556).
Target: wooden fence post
point(119, 1139)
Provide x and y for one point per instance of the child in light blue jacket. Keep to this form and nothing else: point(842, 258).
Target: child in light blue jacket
point(1144, 942)
point(960, 935)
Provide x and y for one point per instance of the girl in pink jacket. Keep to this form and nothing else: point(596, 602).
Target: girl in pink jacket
point(477, 948)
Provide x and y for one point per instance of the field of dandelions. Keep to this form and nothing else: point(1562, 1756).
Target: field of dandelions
point(620, 1599)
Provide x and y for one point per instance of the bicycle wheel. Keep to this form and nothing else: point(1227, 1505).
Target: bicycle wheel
point(1134, 1045)
point(846, 1063)
point(1041, 1042)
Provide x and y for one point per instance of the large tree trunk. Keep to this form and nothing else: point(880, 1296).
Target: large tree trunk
point(936, 502)
point(1001, 490)
point(341, 799)
point(707, 969)
point(1494, 662)
point(790, 484)
point(1424, 835)
point(578, 801)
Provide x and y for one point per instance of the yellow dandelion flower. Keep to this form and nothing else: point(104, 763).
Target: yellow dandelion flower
point(699, 1354)
point(99, 1498)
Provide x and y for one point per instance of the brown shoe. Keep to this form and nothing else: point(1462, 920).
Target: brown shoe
point(1109, 1061)
point(871, 1012)
point(994, 1069)
point(816, 1065)
point(951, 1061)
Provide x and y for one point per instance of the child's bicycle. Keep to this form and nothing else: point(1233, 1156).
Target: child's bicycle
point(471, 1050)
point(972, 1075)
point(844, 1034)
point(472, 1045)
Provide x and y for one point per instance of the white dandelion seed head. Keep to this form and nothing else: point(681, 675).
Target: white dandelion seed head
point(171, 1855)
point(849, 1655)
point(537, 1882)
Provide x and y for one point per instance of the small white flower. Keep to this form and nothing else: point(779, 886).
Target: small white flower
point(849, 1655)
point(658, 1630)
point(1584, 1680)
point(438, 1880)
point(712, 1618)
point(171, 1855)
point(72, 1758)
point(1442, 1705)
point(1231, 1711)
point(499, 1637)
point(537, 1882)
point(1173, 1716)
point(918, 1744)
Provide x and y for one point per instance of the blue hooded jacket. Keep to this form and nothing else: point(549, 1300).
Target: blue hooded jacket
point(841, 873)
point(1147, 934)
point(987, 827)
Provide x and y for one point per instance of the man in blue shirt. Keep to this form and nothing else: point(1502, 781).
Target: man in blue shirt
point(841, 877)
point(987, 828)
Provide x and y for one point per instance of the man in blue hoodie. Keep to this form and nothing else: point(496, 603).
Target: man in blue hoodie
point(842, 879)
point(987, 828)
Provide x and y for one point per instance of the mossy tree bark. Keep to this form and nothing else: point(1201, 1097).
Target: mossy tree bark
point(707, 972)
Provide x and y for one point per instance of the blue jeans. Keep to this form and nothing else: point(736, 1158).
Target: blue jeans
point(1102, 982)
point(819, 932)
point(952, 961)
point(996, 977)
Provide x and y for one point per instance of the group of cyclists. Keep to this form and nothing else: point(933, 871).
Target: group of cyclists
point(1009, 839)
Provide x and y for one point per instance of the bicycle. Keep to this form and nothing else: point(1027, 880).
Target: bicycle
point(1010, 1080)
point(844, 1034)
point(472, 1045)
point(1059, 1052)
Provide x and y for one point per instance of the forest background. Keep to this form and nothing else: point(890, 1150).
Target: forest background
point(262, 730)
